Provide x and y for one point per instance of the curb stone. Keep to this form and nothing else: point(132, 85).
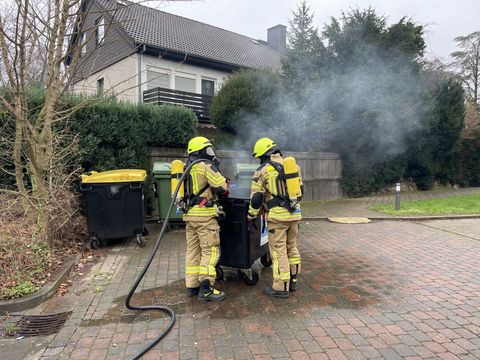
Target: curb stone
point(401, 218)
point(45, 292)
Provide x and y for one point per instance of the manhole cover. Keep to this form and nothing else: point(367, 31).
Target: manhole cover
point(36, 325)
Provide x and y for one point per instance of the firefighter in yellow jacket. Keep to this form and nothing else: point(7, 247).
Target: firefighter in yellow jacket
point(203, 186)
point(269, 191)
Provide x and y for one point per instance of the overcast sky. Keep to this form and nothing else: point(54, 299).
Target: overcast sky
point(444, 19)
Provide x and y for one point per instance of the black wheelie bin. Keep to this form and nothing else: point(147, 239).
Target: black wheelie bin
point(115, 205)
point(241, 245)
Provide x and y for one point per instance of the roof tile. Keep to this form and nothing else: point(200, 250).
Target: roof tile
point(172, 32)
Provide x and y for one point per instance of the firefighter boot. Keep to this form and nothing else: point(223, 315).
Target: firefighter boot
point(293, 283)
point(275, 293)
point(208, 293)
point(192, 291)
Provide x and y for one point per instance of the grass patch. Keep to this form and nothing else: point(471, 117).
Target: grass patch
point(19, 290)
point(454, 205)
point(10, 329)
point(25, 268)
point(31, 255)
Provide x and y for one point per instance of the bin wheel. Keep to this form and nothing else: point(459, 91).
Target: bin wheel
point(145, 231)
point(141, 241)
point(93, 243)
point(167, 228)
point(250, 281)
point(265, 260)
point(219, 272)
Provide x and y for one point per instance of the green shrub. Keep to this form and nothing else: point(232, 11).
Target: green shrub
point(357, 179)
point(169, 125)
point(420, 170)
point(221, 139)
point(116, 135)
point(470, 166)
point(243, 94)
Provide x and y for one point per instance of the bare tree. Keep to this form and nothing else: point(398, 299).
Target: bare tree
point(36, 39)
point(467, 62)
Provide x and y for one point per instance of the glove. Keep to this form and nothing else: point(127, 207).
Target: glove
point(221, 213)
point(251, 217)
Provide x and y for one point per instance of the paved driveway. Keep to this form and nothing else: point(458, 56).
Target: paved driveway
point(379, 290)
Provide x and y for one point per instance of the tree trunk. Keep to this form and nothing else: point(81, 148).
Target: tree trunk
point(17, 158)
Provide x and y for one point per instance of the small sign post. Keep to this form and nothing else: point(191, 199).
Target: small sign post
point(397, 201)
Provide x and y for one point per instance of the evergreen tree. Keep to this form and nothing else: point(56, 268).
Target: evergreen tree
point(303, 35)
point(449, 115)
point(304, 50)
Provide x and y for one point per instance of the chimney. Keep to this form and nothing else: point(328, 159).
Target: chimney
point(277, 37)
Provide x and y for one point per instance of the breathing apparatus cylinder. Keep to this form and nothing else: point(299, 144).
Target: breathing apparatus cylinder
point(177, 170)
point(292, 179)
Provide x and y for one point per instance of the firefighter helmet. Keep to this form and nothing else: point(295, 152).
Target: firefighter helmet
point(198, 143)
point(262, 146)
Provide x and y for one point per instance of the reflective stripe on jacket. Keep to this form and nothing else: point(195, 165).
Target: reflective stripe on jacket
point(202, 174)
point(265, 181)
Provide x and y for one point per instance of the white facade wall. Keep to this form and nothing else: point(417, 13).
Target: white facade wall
point(120, 79)
point(185, 70)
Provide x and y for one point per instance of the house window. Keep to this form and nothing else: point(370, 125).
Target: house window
point(100, 30)
point(184, 84)
point(157, 79)
point(83, 44)
point(208, 87)
point(100, 85)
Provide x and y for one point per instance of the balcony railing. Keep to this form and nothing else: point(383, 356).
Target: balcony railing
point(199, 103)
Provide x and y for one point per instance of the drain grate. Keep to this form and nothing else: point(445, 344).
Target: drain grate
point(37, 325)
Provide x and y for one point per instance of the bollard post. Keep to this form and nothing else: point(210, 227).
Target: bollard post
point(397, 200)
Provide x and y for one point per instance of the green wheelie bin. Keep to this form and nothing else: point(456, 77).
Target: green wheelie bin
point(163, 192)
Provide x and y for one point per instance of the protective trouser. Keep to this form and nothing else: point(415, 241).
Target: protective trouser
point(203, 251)
point(282, 240)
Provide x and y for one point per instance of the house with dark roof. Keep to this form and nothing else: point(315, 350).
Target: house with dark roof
point(144, 54)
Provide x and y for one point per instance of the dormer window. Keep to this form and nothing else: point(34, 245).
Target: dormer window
point(100, 31)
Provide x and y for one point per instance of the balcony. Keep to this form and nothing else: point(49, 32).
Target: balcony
point(199, 103)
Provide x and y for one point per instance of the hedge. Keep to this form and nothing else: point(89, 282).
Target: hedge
point(116, 135)
point(112, 134)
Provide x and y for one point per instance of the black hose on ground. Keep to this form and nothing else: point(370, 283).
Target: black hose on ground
point(164, 309)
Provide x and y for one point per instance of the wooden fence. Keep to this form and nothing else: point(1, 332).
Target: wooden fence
point(321, 172)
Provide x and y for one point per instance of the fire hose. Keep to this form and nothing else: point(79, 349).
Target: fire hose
point(164, 309)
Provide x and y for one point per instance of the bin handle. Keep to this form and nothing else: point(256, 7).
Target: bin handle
point(136, 185)
point(85, 187)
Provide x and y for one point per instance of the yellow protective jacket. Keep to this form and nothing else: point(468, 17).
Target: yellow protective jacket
point(201, 175)
point(265, 181)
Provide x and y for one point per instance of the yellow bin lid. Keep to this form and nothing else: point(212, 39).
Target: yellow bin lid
point(114, 176)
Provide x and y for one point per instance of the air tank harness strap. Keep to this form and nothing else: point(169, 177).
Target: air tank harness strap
point(199, 200)
point(281, 199)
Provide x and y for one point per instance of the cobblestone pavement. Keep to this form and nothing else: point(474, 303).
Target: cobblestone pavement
point(380, 290)
point(466, 227)
point(361, 206)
